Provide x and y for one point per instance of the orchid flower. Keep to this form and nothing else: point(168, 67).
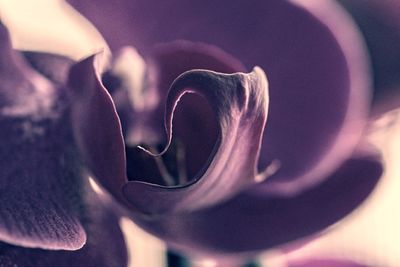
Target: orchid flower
point(203, 153)
point(262, 160)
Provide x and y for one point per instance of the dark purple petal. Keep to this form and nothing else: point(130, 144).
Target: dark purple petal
point(252, 222)
point(240, 103)
point(105, 246)
point(379, 21)
point(140, 96)
point(314, 60)
point(164, 65)
point(194, 121)
point(96, 126)
point(40, 171)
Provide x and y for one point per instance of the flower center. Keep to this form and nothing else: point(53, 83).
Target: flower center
point(194, 136)
point(168, 169)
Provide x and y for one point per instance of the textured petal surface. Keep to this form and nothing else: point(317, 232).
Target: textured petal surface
point(105, 246)
point(96, 125)
point(40, 172)
point(251, 222)
point(240, 103)
point(316, 94)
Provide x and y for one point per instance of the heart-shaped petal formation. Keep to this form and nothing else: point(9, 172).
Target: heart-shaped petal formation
point(240, 103)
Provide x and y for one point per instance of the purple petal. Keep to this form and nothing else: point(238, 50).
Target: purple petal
point(380, 24)
point(194, 121)
point(252, 222)
point(40, 176)
point(53, 67)
point(140, 99)
point(164, 65)
point(240, 103)
point(105, 246)
point(313, 56)
point(96, 125)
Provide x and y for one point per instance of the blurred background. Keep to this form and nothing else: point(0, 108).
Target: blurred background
point(369, 236)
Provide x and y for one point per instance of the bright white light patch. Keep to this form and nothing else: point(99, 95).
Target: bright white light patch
point(51, 26)
point(144, 249)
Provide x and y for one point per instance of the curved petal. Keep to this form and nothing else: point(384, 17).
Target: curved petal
point(240, 103)
point(194, 121)
point(248, 223)
point(96, 125)
point(319, 97)
point(40, 172)
point(139, 90)
point(105, 246)
point(142, 103)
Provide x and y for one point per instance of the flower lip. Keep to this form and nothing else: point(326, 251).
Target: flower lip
point(240, 102)
point(195, 126)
